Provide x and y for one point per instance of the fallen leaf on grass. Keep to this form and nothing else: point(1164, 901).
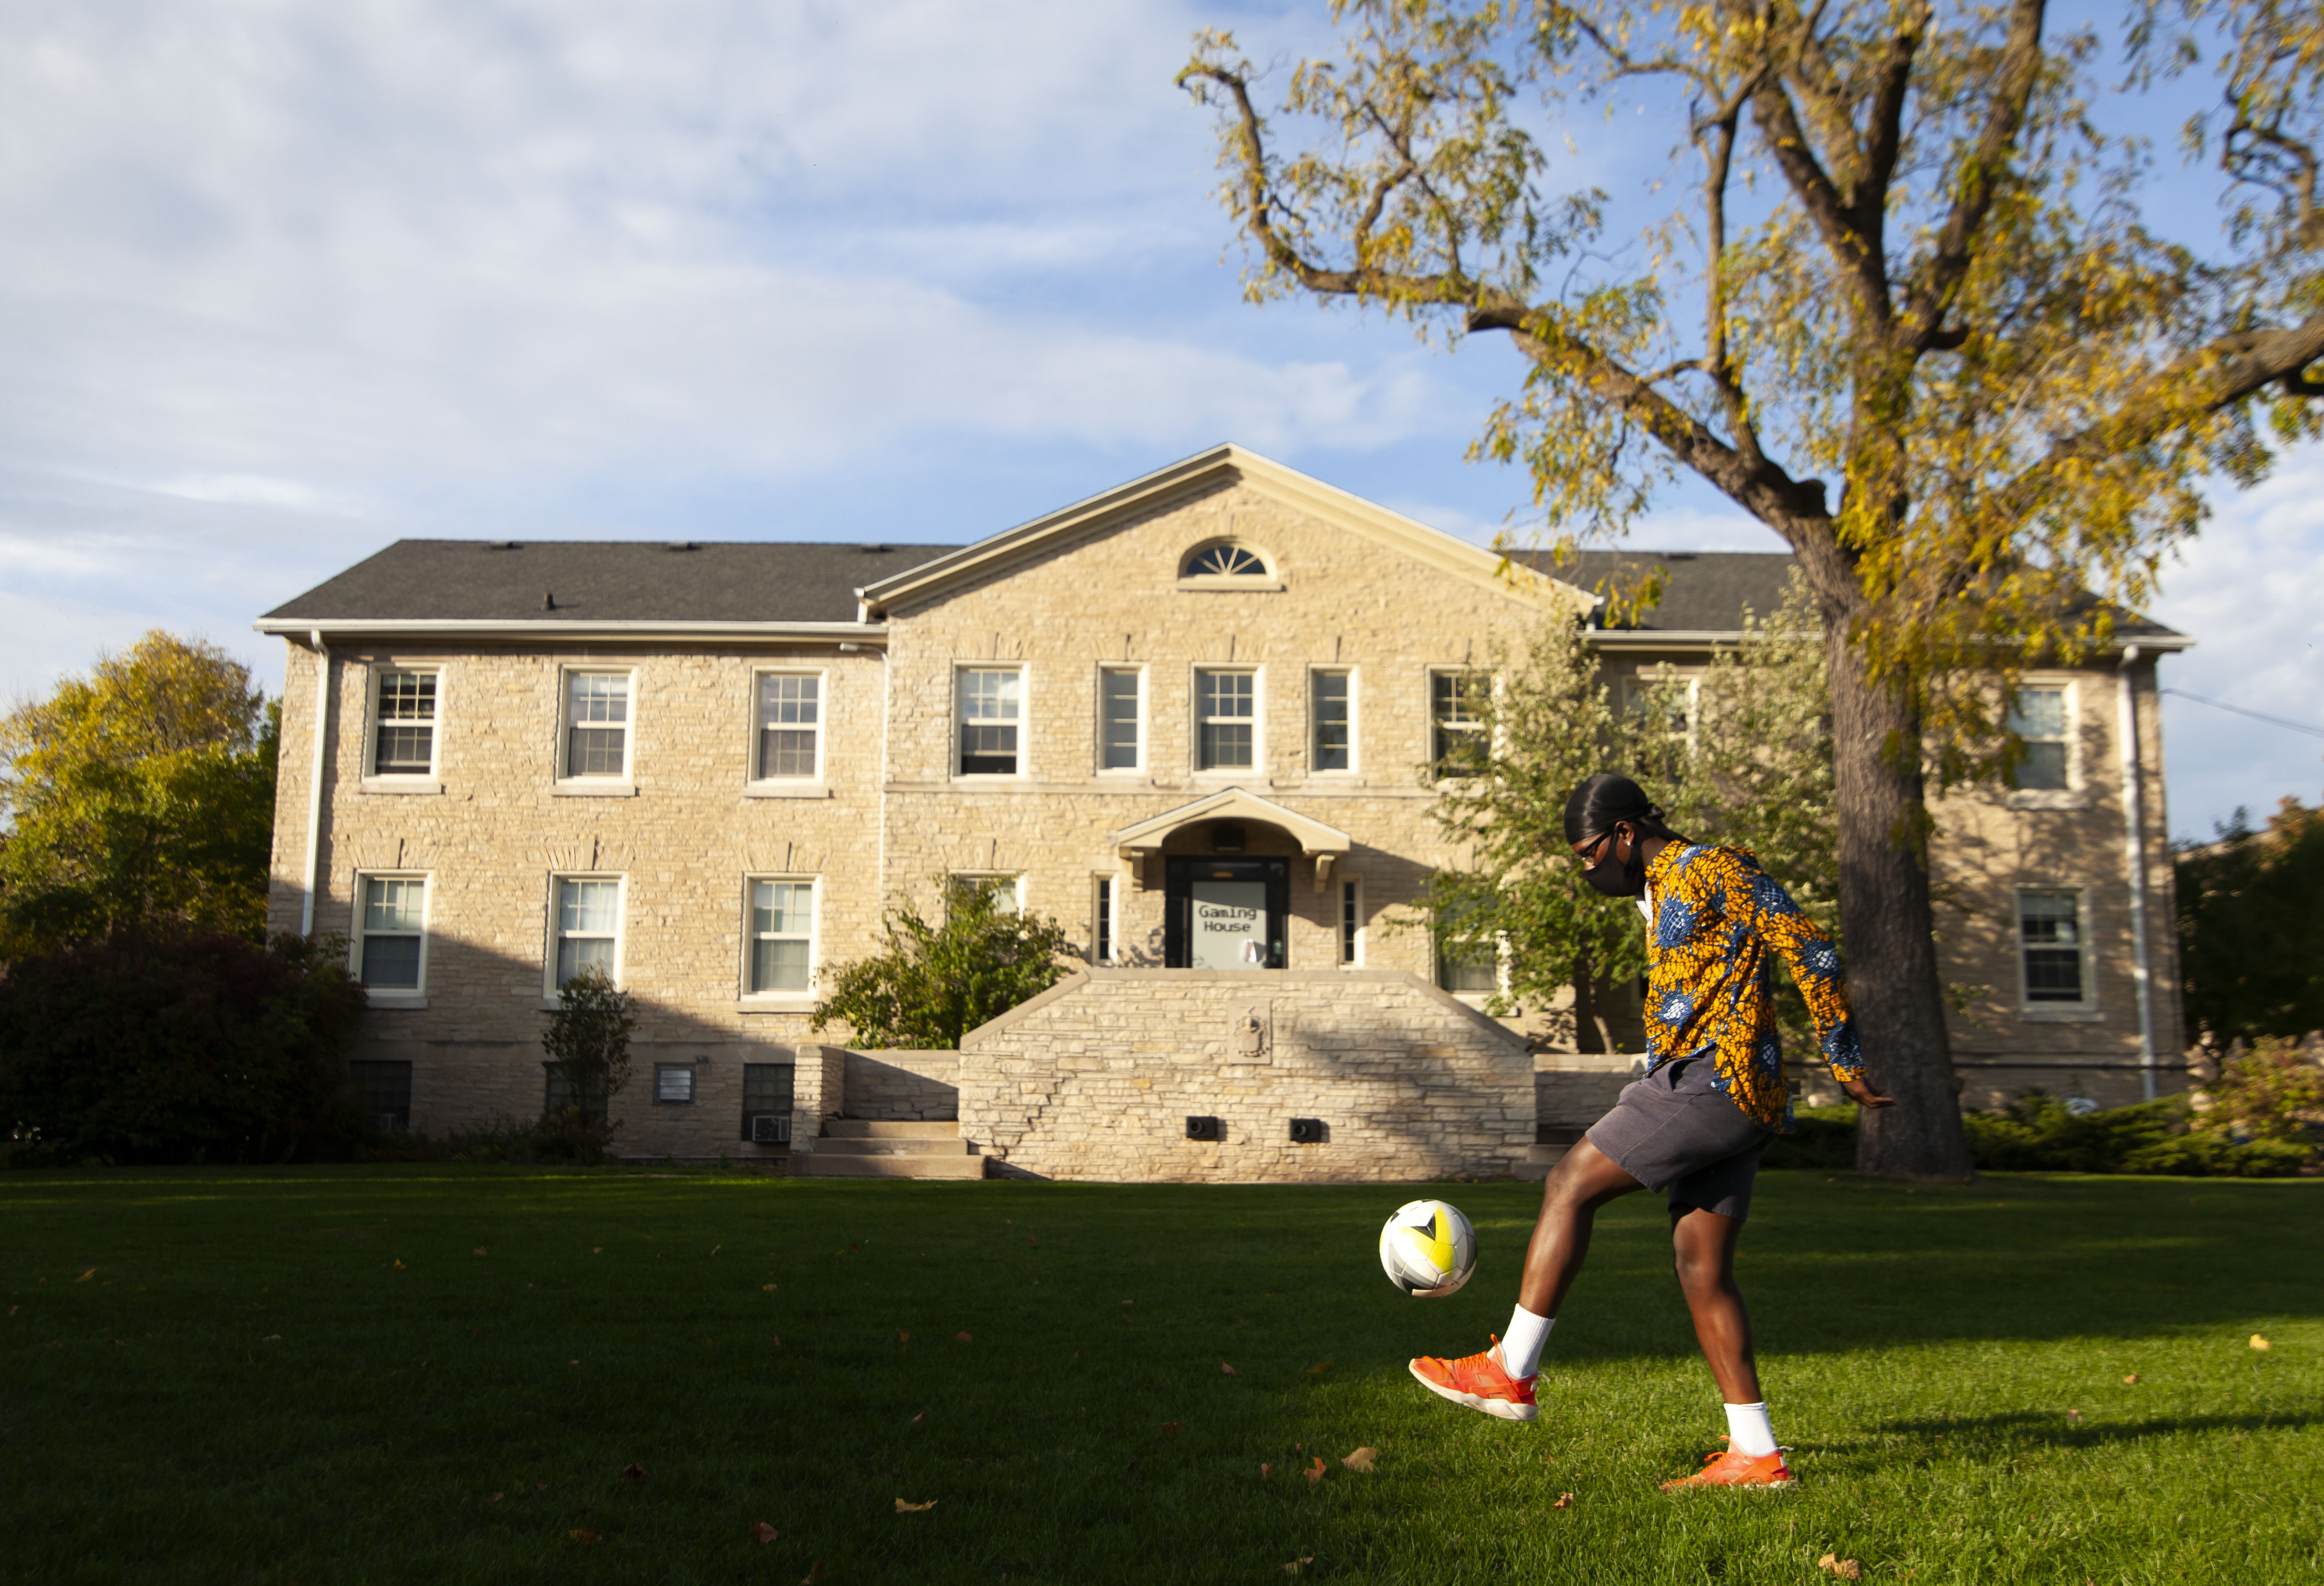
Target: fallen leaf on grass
point(1321, 1366)
point(633, 1471)
point(1847, 1569)
point(1226, 1371)
point(855, 1247)
point(85, 1276)
point(1315, 1472)
point(495, 1498)
point(597, 1250)
point(1564, 1502)
point(914, 1509)
point(271, 1338)
point(776, 1338)
point(903, 1337)
point(814, 1574)
point(399, 1267)
point(540, 1486)
point(586, 1538)
point(1361, 1460)
point(1265, 1472)
point(921, 1418)
point(766, 1288)
point(764, 1532)
point(1293, 1567)
point(960, 1337)
point(2257, 1342)
point(2073, 1415)
point(571, 1362)
point(2132, 1377)
point(1172, 1426)
point(480, 1250)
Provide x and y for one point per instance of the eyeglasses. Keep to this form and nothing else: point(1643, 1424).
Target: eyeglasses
point(1587, 857)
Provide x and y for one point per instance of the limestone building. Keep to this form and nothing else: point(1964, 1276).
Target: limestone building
point(1188, 718)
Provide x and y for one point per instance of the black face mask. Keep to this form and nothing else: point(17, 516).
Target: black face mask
point(1615, 878)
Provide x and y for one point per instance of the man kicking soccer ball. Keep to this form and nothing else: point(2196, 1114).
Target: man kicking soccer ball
point(1694, 1126)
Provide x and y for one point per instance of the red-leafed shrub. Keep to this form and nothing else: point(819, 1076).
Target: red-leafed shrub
point(166, 1044)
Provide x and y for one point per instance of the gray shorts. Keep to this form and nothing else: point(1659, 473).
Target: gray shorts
point(1672, 1132)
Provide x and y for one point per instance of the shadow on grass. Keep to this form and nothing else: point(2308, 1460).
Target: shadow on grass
point(2052, 1428)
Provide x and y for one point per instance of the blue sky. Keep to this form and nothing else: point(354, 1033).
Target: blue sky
point(289, 281)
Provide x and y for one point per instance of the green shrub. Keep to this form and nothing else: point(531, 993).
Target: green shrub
point(937, 983)
point(167, 1043)
point(563, 1138)
point(2036, 1133)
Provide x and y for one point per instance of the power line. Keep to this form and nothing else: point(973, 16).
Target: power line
point(2255, 716)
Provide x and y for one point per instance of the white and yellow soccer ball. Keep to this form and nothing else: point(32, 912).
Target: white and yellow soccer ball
point(1427, 1249)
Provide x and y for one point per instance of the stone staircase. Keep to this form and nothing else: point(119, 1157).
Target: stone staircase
point(857, 1148)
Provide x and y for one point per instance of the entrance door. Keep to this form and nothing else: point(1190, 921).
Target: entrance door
point(1225, 913)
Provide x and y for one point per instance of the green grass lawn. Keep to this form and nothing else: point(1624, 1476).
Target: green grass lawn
point(438, 1375)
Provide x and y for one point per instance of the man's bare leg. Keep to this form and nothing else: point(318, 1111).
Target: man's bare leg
point(1704, 1244)
point(1584, 1179)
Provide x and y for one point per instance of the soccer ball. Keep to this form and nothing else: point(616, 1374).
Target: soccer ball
point(1428, 1250)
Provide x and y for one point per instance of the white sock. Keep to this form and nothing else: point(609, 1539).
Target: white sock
point(1521, 1344)
point(1747, 1431)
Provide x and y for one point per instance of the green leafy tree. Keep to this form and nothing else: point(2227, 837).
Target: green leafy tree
point(937, 983)
point(168, 1043)
point(142, 792)
point(1893, 297)
point(2251, 928)
point(587, 1038)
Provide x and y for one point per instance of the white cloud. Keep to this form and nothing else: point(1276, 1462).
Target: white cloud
point(2251, 594)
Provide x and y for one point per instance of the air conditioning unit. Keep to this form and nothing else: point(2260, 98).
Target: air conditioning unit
point(771, 1128)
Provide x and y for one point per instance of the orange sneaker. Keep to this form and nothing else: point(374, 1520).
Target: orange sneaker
point(1478, 1382)
point(1736, 1469)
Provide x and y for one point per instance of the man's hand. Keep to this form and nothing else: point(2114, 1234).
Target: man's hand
point(1864, 1095)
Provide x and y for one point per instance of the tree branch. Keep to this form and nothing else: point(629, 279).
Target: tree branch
point(1862, 265)
point(1929, 301)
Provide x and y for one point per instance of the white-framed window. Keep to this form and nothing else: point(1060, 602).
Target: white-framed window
point(1456, 700)
point(2042, 715)
point(787, 745)
point(1103, 890)
point(1332, 719)
point(989, 716)
point(403, 718)
point(1226, 719)
point(1466, 969)
point(1224, 559)
point(390, 945)
point(1008, 888)
point(780, 940)
point(2054, 947)
point(673, 1084)
point(584, 928)
point(1121, 718)
point(1676, 697)
point(1352, 922)
point(596, 730)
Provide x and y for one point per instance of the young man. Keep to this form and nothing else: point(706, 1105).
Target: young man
point(1692, 1128)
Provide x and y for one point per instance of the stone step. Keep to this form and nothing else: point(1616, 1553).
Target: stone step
point(827, 1165)
point(879, 1129)
point(830, 1146)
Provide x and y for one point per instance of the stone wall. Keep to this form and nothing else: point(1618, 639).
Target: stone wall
point(903, 1086)
point(1096, 1078)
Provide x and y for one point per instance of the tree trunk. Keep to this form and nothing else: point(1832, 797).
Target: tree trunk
point(1886, 923)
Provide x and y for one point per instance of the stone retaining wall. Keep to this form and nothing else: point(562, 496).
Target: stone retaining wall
point(1096, 1078)
point(903, 1086)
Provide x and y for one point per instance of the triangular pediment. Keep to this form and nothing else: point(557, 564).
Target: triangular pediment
point(1197, 475)
point(1232, 803)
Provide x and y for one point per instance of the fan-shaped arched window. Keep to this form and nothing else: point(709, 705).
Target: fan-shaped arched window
point(1224, 561)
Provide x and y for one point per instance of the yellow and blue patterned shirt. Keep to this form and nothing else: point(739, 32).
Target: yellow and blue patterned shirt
point(1711, 989)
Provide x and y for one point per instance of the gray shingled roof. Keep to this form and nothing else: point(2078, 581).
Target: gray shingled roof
point(611, 581)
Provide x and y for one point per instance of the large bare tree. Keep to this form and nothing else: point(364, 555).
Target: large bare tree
point(1891, 293)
